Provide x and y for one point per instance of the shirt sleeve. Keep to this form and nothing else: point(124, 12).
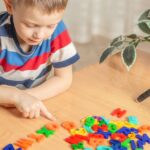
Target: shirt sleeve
point(63, 51)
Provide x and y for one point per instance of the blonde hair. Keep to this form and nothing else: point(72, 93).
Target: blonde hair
point(47, 6)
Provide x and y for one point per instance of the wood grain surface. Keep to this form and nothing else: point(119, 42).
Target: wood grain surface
point(96, 90)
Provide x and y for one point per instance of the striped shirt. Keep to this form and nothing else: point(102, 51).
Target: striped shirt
point(29, 69)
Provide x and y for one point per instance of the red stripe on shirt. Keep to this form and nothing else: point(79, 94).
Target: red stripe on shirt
point(31, 64)
point(60, 41)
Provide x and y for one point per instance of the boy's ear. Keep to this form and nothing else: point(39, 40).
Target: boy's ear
point(9, 6)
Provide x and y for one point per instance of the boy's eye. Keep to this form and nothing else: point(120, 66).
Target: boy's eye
point(52, 26)
point(30, 25)
point(33, 25)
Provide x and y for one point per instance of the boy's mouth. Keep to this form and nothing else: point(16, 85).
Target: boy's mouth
point(34, 41)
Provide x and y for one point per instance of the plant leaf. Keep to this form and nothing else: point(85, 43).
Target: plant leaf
point(144, 27)
point(106, 53)
point(144, 16)
point(132, 36)
point(144, 21)
point(136, 43)
point(148, 24)
point(128, 56)
point(116, 40)
point(147, 38)
point(117, 44)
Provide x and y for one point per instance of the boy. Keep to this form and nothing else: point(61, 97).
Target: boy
point(33, 38)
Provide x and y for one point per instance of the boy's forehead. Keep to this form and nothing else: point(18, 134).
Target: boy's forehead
point(35, 15)
point(45, 5)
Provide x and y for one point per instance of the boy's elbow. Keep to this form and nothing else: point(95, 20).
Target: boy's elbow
point(68, 83)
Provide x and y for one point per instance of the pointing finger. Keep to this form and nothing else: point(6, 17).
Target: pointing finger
point(46, 113)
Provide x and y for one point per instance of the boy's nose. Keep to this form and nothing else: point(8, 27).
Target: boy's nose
point(38, 35)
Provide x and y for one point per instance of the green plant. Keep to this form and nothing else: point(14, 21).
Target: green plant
point(127, 44)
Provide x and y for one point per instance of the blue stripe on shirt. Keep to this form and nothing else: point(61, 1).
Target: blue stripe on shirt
point(6, 31)
point(27, 83)
point(59, 29)
point(66, 62)
point(19, 59)
point(45, 45)
point(3, 16)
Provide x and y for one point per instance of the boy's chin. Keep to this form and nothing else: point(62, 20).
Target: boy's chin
point(33, 43)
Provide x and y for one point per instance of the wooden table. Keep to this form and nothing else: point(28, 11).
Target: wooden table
point(96, 90)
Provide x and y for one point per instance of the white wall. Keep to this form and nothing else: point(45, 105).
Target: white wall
point(77, 12)
point(1, 6)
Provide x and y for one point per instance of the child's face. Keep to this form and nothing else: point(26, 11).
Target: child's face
point(32, 26)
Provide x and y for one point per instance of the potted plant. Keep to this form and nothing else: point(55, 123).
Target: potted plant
point(127, 44)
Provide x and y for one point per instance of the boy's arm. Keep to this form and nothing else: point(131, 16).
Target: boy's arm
point(29, 106)
point(55, 85)
point(8, 95)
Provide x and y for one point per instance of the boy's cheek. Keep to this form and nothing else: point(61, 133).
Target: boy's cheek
point(50, 33)
point(27, 33)
point(22, 31)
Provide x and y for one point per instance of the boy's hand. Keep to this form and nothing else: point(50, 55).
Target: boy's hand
point(7, 105)
point(31, 107)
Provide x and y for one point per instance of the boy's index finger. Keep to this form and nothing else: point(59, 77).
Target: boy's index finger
point(49, 116)
point(45, 113)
